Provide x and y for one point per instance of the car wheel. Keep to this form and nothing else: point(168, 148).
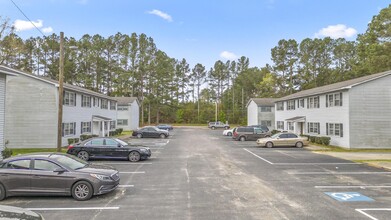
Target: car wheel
point(2, 192)
point(162, 136)
point(139, 135)
point(269, 144)
point(134, 156)
point(299, 144)
point(82, 191)
point(243, 138)
point(213, 128)
point(229, 134)
point(83, 155)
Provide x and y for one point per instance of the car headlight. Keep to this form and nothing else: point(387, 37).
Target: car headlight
point(101, 177)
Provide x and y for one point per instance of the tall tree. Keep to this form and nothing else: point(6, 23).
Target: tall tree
point(198, 78)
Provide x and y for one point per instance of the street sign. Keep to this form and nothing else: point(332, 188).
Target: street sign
point(349, 197)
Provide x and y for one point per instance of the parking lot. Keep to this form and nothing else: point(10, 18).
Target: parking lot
point(197, 173)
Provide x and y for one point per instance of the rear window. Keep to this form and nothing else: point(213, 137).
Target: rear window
point(245, 129)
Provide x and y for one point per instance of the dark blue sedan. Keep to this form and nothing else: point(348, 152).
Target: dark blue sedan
point(165, 127)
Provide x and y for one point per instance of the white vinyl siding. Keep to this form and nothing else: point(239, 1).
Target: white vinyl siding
point(2, 110)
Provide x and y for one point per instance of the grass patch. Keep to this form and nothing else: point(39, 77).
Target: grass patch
point(341, 149)
point(368, 161)
point(17, 151)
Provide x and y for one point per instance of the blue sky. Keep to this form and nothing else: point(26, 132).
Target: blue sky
point(200, 31)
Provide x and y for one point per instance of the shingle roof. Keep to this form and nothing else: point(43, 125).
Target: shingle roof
point(55, 82)
point(125, 100)
point(335, 87)
point(263, 101)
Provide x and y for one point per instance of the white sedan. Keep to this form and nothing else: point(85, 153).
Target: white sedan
point(283, 139)
point(228, 132)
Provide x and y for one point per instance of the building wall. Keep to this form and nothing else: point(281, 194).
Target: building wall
point(31, 113)
point(266, 116)
point(2, 109)
point(125, 115)
point(370, 115)
point(135, 116)
point(321, 115)
point(252, 113)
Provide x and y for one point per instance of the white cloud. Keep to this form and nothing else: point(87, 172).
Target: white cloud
point(21, 25)
point(161, 14)
point(47, 30)
point(228, 55)
point(336, 31)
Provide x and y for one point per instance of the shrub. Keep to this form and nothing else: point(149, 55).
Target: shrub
point(76, 140)
point(275, 132)
point(312, 139)
point(119, 130)
point(71, 141)
point(86, 136)
point(325, 140)
point(6, 152)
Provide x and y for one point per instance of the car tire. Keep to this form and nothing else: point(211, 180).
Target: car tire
point(162, 136)
point(269, 144)
point(299, 144)
point(82, 191)
point(83, 155)
point(134, 156)
point(213, 127)
point(2, 192)
point(229, 134)
point(139, 135)
point(243, 138)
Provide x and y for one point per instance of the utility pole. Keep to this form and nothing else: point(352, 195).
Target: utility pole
point(60, 93)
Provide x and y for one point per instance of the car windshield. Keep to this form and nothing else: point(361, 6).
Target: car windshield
point(70, 161)
point(123, 143)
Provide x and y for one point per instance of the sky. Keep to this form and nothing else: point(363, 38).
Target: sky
point(201, 31)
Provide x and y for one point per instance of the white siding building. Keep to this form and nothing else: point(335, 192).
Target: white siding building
point(128, 114)
point(354, 113)
point(260, 111)
point(32, 111)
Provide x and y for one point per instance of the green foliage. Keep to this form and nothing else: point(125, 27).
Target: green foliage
point(71, 141)
point(6, 152)
point(119, 131)
point(318, 139)
point(84, 137)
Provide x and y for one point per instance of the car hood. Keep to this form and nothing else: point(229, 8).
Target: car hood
point(98, 169)
point(11, 212)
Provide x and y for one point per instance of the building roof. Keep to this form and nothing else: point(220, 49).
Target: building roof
point(263, 101)
point(125, 100)
point(4, 69)
point(335, 87)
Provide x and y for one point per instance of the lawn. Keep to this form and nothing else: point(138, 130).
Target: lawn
point(35, 150)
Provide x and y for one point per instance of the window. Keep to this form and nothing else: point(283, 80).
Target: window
point(280, 125)
point(258, 131)
point(334, 129)
point(68, 129)
point(112, 125)
point(291, 126)
point(266, 123)
point(85, 101)
point(18, 164)
point(313, 102)
point(291, 105)
point(292, 136)
point(104, 104)
point(69, 98)
point(110, 142)
point(334, 100)
point(95, 142)
point(280, 106)
point(266, 109)
point(85, 127)
point(284, 136)
point(300, 103)
point(112, 105)
point(122, 122)
point(313, 127)
point(122, 108)
point(96, 102)
point(45, 165)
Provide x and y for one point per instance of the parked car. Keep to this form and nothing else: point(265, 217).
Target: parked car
point(228, 132)
point(165, 127)
point(263, 127)
point(12, 213)
point(217, 124)
point(250, 133)
point(104, 147)
point(150, 131)
point(283, 139)
point(55, 174)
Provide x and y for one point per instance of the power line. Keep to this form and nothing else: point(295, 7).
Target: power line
point(27, 18)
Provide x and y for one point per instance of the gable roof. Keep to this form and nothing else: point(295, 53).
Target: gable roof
point(55, 83)
point(262, 101)
point(125, 100)
point(344, 85)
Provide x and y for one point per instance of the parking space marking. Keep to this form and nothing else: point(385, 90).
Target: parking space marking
point(339, 173)
point(282, 164)
point(125, 186)
point(137, 172)
point(351, 187)
point(72, 209)
point(125, 163)
point(362, 211)
point(258, 156)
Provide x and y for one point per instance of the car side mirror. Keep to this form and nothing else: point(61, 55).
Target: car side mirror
point(59, 170)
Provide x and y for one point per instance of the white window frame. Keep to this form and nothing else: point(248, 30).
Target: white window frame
point(290, 105)
point(122, 122)
point(69, 98)
point(280, 106)
point(85, 101)
point(85, 127)
point(267, 123)
point(69, 129)
point(313, 102)
point(334, 129)
point(301, 103)
point(112, 105)
point(112, 125)
point(280, 125)
point(291, 126)
point(104, 104)
point(122, 108)
point(313, 127)
point(266, 109)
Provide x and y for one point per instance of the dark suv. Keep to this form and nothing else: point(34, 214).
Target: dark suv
point(250, 133)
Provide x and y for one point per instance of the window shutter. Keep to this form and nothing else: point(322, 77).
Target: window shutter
point(75, 101)
point(308, 102)
point(62, 130)
point(63, 97)
point(327, 101)
point(308, 127)
point(294, 104)
point(318, 127)
point(74, 128)
point(81, 127)
point(327, 128)
point(340, 97)
point(318, 102)
point(298, 103)
point(341, 132)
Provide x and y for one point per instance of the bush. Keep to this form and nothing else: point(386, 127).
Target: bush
point(71, 141)
point(6, 152)
point(312, 139)
point(275, 132)
point(76, 140)
point(325, 140)
point(84, 137)
point(119, 130)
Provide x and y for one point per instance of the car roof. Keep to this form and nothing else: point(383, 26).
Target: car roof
point(33, 155)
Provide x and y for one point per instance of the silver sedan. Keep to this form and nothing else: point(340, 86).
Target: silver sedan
point(283, 139)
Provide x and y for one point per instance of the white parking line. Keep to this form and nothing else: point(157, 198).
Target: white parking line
point(338, 173)
point(362, 211)
point(71, 209)
point(125, 163)
point(351, 187)
point(258, 156)
point(137, 172)
point(125, 186)
point(282, 164)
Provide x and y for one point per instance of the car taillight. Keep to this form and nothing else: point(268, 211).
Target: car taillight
point(70, 147)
